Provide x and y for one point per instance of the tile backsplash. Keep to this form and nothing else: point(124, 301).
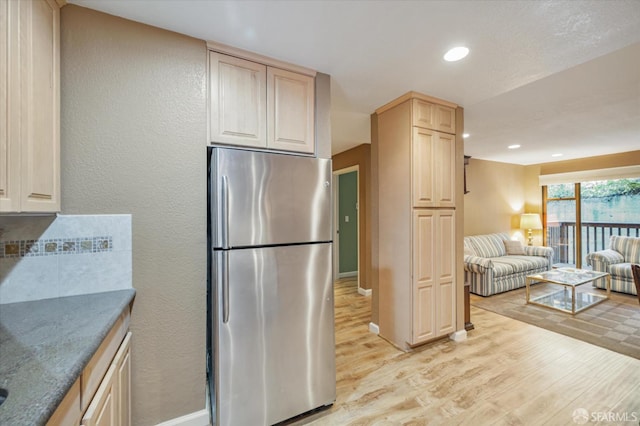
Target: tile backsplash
point(56, 246)
point(52, 256)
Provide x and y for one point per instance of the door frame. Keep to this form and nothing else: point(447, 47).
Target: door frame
point(336, 235)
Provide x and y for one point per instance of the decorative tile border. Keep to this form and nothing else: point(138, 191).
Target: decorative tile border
point(50, 247)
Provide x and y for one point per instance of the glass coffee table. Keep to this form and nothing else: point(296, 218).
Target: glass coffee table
point(567, 299)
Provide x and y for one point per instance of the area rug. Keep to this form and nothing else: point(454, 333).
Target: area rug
point(613, 324)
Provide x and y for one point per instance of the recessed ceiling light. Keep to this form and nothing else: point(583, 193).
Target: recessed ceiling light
point(556, 155)
point(465, 135)
point(515, 146)
point(456, 54)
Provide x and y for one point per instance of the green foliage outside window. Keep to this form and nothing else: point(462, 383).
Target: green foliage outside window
point(610, 188)
point(596, 189)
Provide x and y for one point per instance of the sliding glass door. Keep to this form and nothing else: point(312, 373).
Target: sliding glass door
point(580, 217)
point(609, 207)
point(560, 214)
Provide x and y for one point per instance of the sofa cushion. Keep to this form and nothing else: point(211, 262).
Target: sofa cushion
point(514, 248)
point(523, 263)
point(490, 245)
point(621, 270)
point(629, 247)
point(501, 268)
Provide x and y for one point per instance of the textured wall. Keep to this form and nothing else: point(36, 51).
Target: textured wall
point(133, 137)
point(496, 197)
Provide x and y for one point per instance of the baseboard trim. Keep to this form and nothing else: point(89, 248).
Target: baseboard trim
point(348, 274)
point(364, 291)
point(458, 336)
point(373, 328)
point(198, 418)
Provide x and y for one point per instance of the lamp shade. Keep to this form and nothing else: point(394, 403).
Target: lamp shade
point(530, 221)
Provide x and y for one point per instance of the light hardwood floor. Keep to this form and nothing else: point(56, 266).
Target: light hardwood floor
point(506, 373)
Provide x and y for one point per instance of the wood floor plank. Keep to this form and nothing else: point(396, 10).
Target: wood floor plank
point(506, 373)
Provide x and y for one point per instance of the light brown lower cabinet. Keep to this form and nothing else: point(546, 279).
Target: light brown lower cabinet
point(103, 411)
point(122, 362)
point(102, 394)
point(111, 403)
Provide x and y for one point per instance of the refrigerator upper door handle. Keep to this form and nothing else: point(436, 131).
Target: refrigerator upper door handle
point(224, 271)
point(224, 213)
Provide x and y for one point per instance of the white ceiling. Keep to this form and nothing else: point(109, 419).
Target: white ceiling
point(552, 76)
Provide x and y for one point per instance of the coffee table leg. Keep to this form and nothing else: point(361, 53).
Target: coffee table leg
point(527, 283)
point(573, 300)
point(608, 286)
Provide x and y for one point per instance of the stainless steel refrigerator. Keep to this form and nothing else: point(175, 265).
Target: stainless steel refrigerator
point(271, 345)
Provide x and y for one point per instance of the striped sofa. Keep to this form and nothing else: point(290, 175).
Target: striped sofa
point(490, 270)
point(617, 260)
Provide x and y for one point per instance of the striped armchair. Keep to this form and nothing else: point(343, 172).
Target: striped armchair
point(617, 260)
point(490, 269)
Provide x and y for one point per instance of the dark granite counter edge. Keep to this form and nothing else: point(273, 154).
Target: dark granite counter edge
point(89, 336)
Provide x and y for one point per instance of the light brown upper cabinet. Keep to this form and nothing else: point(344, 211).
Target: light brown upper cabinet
point(433, 116)
point(258, 105)
point(29, 106)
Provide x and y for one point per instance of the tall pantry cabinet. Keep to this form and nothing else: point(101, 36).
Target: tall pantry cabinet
point(418, 228)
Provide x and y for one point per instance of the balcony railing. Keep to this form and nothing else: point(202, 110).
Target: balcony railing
point(594, 236)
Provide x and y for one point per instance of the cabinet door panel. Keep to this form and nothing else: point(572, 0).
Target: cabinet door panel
point(446, 245)
point(290, 111)
point(122, 362)
point(102, 410)
point(445, 148)
point(9, 154)
point(424, 315)
point(238, 98)
point(423, 153)
point(445, 119)
point(445, 277)
point(424, 298)
point(446, 308)
point(39, 88)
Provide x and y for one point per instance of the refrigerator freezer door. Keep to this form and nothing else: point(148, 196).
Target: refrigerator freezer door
point(276, 353)
point(263, 199)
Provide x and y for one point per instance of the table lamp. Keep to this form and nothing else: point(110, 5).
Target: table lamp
point(530, 221)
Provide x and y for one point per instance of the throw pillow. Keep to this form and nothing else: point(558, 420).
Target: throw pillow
point(514, 248)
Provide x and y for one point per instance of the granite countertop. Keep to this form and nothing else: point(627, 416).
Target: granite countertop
point(45, 345)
